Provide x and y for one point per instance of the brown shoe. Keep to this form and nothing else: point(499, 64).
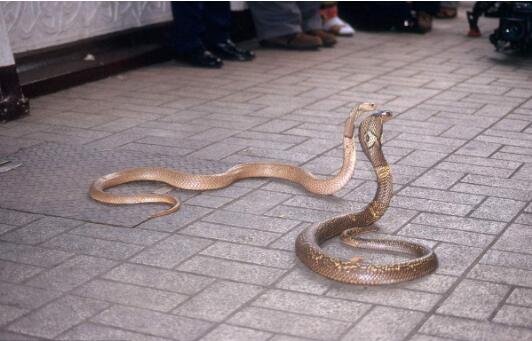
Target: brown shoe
point(296, 41)
point(328, 39)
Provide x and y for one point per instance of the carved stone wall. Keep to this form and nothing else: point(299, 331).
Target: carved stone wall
point(34, 25)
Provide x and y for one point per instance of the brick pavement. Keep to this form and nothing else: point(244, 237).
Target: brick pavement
point(223, 268)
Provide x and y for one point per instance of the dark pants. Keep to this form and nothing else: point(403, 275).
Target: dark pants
point(197, 24)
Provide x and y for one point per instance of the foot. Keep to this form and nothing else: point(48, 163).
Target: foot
point(228, 50)
point(200, 57)
point(328, 39)
point(338, 27)
point(296, 41)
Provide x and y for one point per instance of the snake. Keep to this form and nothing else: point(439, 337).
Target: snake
point(349, 226)
point(307, 245)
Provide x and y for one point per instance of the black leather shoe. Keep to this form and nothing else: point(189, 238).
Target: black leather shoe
point(200, 57)
point(228, 50)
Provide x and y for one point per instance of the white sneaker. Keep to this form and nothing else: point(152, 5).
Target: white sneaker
point(338, 26)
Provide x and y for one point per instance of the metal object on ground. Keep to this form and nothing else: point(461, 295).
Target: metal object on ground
point(6, 166)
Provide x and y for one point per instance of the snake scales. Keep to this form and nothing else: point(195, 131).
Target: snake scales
point(308, 249)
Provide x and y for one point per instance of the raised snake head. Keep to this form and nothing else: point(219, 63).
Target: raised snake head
point(370, 131)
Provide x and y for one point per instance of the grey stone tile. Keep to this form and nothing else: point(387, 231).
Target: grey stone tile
point(435, 283)
point(71, 273)
point(302, 279)
point(447, 235)
point(132, 295)
point(459, 223)
point(40, 230)
point(516, 316)
point(396, 297)
point(474, 299)
point(320, 306)
point(257, 202)
point(422, 158)
point(289, 323)
point(16, 272)
point(455, 327)
point(251, 254)
point(504, 275)
point(153, 323)
point(234, 333)
point(498, 209)
point(95, 332)
point(159, 278)
point(515, 239)
point(394, 324)
point(493, 191)
point(474, 169)
point(8, 313)
point(507, 259)
point(257, 222)
point(231, 234)
point(174, 222)
point(171, 251)
point(218, 301)
point(434, 194)
point(58, 316)
point(247, 273)
point(92, 246)
point(24, 297)
point(32, 255)
point(520, 296)
point(455, 259)
point(120, 234)
point(436, 178)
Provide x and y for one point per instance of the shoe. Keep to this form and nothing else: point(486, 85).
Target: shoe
point(200, 57)
point(296, 41)
point(338, 27)
point(447, 12)
point(228, 50)
point(423, 22)
point(328, 39)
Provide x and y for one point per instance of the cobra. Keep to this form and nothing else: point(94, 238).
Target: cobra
point(349, 226)
point(216, 181)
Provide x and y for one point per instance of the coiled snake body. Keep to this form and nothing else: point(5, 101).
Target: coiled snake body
point(308, 243)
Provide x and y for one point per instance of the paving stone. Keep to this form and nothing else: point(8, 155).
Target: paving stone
point(515, 239)
point(454, 327)
point(303, 279)
point(257, 202)
point(396, 297)
point(218, 301)
point(16, 218)
point(171, 251)
point(311, 305)
point(16, 272)
point(92, 246)
point(32, 255)
point(228, 332)
point(431, 205)
point(505, 275)
point(474, 299)
point(158, 278)
point(71, 273)
point(446, 196)
point(436, 178)
point(25, 297)
point(153, 323)
point(8, 313)
point(517, 316)
point(520, 296)
point(120, 234)
point(251, 254)
point(289, 323)
point(395, 324)
point(231, 234)
point(91, 331)
point(130, 295)
point(459, 223)
point(257, 222)
point(58, 316)
point(498, 209)
point(447, 235)
point(174, 222)
point(247, 273)
point(40, 230)
point(455, 259)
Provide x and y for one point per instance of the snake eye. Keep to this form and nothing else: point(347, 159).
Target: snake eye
point(370, 139)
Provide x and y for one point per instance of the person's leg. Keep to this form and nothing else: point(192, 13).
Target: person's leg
point(188, 28)
point(278, 24)
point(217, 16)
point(274, 19)
point(188, 25)
point(311, 22)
